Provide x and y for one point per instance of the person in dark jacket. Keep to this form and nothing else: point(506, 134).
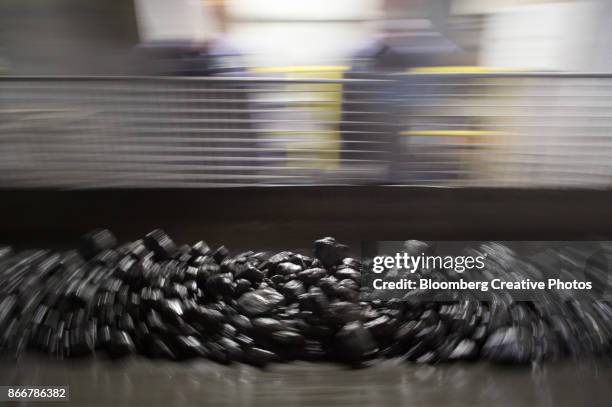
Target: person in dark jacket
point(375, 113)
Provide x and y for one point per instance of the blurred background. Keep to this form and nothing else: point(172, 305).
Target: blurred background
point(174, 114)
point(198, 93)
point(95, 37)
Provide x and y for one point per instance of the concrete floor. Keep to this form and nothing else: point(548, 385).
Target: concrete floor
point(141, 382)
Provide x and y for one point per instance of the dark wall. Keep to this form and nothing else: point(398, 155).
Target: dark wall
point(274, 218)
point(68, 37)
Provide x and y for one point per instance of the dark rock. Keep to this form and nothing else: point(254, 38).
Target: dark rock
point(480, 334)
point(231, 348)
point(251, 274)
point(189, 347)
point(418, 247)
point(228, 330)
point(177, 291)
point(348, 283)
point(499, 314)
point(381, 327)
point(352, 263)
point(191, 286)
point(266, 326)
point(301, 260)
point(244, 341)
point(311, 331)
point(354, 344)
point(465, 350)
point(200, 249)
point(152, 297)
point(311, 276)
point(346, 294)
point(220, 254)
point(121, 344)
point(126, 323)
point(82, 341)
point(348, 273)
point(172, 311)
point(275, 260)
point(288, 339)
point(205, 316)
point(241, 323)
point(328, 285)
point(107, 258)
point(509, 345)
point(8, 308)
point(161, 244)
point(430, 317)
point(95, 242)
point(260, 302)
point(342, 312)
point(427, 358)
point(155, 322)
point(314, 301)
point(103, 338)
point(159, 349)
point(313, 351)
point(408, 331)
point(219, 285)
point(329, 251)
point(242, 286)
point(432, 335)
point(278, 280)
point(137, 249)
point(285, 269)
point(205, 271)
point(5, 252)
point(217, 353)
point(259, 357)
point(417, 350)
point(292, 290)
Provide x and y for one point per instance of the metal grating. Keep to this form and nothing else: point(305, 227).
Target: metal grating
point(508, 130)
point(525, 130)
point(169, 132)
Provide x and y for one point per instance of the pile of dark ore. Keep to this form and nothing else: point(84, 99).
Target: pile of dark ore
point(154, 298)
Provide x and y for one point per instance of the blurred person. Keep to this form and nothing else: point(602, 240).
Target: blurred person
point(216, 55)
point(188, 38)
point(218, 113)
point(410, 34)
point(369, 127)
point(372, 123)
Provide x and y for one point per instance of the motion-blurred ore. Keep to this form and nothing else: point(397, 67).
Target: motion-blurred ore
point(161, 300)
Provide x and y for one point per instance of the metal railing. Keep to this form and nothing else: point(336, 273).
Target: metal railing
point(515, 129)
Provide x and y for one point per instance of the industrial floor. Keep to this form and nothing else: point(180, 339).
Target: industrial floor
point(142, 382)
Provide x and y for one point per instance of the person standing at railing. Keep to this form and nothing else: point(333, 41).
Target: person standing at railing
point(369, 125)
point(373, 121)
point(216, 113)
point(215, 56)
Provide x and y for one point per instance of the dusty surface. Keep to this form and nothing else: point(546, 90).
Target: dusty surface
point(143, 382)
